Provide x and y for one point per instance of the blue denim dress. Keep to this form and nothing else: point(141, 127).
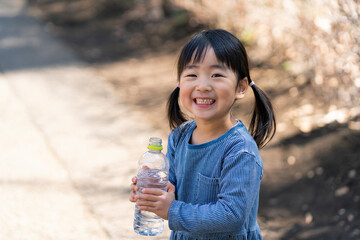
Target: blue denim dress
point(217, 185)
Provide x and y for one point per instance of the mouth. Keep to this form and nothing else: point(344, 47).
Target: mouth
point(204, 101)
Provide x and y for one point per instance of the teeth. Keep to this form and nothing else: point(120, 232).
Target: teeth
point(204, 101)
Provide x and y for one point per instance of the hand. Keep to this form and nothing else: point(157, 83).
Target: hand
point(156, 200)
point(133, 188)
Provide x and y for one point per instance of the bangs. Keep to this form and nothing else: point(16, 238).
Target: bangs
point(198, 45)
point(227, 48)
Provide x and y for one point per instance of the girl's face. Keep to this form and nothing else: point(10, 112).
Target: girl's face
point(208, 89)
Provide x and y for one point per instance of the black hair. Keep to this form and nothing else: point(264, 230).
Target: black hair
point(231, 52)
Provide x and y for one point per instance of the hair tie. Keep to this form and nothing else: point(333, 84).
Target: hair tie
point(251, 83)
point(178, 85)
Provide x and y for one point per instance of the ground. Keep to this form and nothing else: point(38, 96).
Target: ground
point(311, 184)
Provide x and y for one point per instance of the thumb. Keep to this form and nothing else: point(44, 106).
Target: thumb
point(171, 188)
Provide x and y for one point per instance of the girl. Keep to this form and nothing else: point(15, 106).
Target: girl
point(215, 166)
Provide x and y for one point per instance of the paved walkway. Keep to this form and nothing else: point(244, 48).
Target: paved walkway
point(68, 144)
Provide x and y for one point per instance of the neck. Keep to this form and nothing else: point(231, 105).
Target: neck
point(207, 131)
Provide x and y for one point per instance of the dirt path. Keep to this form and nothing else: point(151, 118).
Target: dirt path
point(69, 144)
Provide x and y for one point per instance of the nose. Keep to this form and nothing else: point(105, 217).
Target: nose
point(203, 84)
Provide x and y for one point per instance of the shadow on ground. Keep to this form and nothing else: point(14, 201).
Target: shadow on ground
point(322, 185)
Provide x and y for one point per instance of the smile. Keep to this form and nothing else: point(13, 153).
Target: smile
point(204, 101)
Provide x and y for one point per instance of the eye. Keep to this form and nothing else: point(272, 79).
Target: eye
point(217, 75)
point(191, 75)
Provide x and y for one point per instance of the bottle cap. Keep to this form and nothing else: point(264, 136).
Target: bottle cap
point(155, 144)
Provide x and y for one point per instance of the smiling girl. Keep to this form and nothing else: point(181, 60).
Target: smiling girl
point(215, 165)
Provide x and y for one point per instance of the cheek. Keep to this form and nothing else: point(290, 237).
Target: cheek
point(185, 94)
point(227, 94)
point(185, 98)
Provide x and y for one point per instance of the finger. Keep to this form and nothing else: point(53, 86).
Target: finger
point(171, 187)
point(145, 203)
point(154, 191)
point(132, 197)
point(147, 208)
point(147, 197)
point(134, 180)
point(144, 167)
point(134, 188)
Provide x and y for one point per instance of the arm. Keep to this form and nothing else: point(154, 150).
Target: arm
point(239, 188)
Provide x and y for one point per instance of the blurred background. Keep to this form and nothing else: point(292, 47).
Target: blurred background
point(304, 54)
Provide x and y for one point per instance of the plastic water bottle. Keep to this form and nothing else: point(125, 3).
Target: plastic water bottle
point(153, 172)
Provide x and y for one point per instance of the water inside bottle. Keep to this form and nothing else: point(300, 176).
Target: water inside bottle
point(152, 178)
point(148, 223)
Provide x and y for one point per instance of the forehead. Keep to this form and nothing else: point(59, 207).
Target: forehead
point(207, 56)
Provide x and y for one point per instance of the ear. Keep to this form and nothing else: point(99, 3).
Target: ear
point(242, 88)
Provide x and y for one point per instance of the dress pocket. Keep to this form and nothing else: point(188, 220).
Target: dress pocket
point(207, 189)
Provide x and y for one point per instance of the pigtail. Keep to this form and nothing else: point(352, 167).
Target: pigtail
point(175, 115)
point(263, 124)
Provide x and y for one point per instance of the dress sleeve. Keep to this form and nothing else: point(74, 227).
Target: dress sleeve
point(170, 155)
point(239, 188)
